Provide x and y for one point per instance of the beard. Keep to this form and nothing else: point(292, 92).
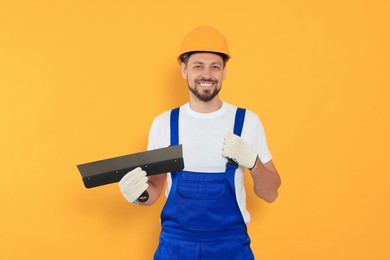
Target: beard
point(207, 95)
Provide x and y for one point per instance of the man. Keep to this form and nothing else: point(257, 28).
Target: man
point(205, 213)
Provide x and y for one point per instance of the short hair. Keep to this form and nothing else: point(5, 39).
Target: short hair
point(186, 56)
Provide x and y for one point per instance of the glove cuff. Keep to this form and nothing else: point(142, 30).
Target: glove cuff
point(142, 198)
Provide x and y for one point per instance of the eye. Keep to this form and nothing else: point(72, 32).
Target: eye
point(216, 67)
point(197, 67)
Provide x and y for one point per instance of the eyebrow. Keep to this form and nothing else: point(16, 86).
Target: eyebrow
point(213, 63)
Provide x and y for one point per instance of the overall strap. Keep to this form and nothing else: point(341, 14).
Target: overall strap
point(232, 165)
point(239, 121)
point(175, 126)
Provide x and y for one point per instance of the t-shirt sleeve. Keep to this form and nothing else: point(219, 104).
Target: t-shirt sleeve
point(257, 138)
point(159, 132)
point(153, 136)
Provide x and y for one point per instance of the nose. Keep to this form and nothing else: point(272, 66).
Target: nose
point(207, 73)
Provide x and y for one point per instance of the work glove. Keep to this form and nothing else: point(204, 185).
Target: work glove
point(238, 150)
point(133, 184)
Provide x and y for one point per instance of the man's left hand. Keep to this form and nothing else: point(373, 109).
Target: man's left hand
point(239, 150)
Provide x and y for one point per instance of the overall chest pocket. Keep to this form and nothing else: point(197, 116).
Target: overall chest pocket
point(201, 190)
point(201, 204)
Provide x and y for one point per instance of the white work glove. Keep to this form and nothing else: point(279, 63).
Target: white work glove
point(238, 150)
point(133, 184)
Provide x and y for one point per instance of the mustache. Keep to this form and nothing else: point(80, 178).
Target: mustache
point(207, 80)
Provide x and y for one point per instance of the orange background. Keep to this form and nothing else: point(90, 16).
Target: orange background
point(82, 81)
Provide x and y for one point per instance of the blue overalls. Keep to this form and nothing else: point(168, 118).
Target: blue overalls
point(201, 218)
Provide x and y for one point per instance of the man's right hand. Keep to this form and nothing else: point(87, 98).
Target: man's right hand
point(133, 184)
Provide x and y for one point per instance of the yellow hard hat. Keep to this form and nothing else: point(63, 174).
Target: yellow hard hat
point(204, 39)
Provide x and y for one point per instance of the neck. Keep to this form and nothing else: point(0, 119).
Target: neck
point(205, 107)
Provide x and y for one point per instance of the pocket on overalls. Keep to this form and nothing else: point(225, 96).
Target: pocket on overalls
point(203, 190)
point(200, 203)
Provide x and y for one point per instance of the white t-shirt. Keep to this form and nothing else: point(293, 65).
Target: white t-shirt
point(202, 136)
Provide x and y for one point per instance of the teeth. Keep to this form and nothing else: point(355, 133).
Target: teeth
point(206, 84)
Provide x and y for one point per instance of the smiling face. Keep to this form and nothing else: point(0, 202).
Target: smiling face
point(204, 73)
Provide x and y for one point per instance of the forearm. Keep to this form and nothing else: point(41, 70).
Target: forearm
point(266, 180)
point(156, 185)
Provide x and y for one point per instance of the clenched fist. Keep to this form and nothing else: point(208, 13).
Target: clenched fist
point(133, 184)
point(238, 149)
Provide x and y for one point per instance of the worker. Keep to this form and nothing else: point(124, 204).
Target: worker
point(205, 215)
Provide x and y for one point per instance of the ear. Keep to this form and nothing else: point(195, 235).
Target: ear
point(183, 69)
point(224, 72)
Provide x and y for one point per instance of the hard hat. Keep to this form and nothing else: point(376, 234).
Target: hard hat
point(204, 39)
